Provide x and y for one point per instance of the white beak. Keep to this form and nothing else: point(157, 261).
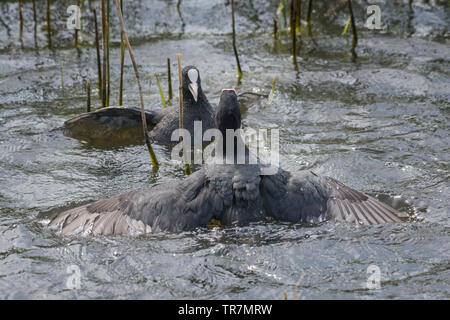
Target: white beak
point(193, 88)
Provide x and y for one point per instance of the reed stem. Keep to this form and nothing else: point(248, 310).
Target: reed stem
point(104, 54)
point(169, 79)
point(239, 71)
point(35, 21)
point(20, 19)
point(354, 32)
point(108, 78)
point(76, 30)
point(293, 19)
point(275, 28)
point(49, 30)
point(122, 61)
point(141, 98)
point(81, 21)
point(308, 17)
point(179, 7)
point(97, 46)
point(297, 284)
point(88, 91)
point(298, 16)
point(187, 169)
point(62, 76)
point(274, 79)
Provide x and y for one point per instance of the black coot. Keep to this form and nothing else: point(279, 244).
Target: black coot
point(195, 108)
point(117, 122)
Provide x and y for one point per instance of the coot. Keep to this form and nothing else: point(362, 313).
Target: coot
point(230, 193)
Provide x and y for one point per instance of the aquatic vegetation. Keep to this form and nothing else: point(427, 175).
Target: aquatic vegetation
point(155, 163)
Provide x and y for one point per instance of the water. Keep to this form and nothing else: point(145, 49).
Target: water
point(379, 124)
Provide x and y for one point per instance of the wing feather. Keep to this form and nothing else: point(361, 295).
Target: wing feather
point(173, 206)
point(356, 206)
point(301, 196)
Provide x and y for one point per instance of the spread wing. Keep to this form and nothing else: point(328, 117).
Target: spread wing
point(172, 206)
point(306, 197)
point(350, 205)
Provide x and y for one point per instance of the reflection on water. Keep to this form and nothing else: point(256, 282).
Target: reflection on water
point(379, 125)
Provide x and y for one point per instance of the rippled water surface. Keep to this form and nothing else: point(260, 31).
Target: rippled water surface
point(379, 124)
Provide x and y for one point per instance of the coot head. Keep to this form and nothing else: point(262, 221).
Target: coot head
point(192, 89)
point(228, 114)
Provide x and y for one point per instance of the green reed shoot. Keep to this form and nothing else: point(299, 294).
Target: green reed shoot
point(346, 27)
point(161, 93)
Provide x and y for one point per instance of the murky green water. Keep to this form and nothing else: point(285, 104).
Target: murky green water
point(380, 125)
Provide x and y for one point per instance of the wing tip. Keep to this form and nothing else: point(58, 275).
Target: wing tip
point(369, 212)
